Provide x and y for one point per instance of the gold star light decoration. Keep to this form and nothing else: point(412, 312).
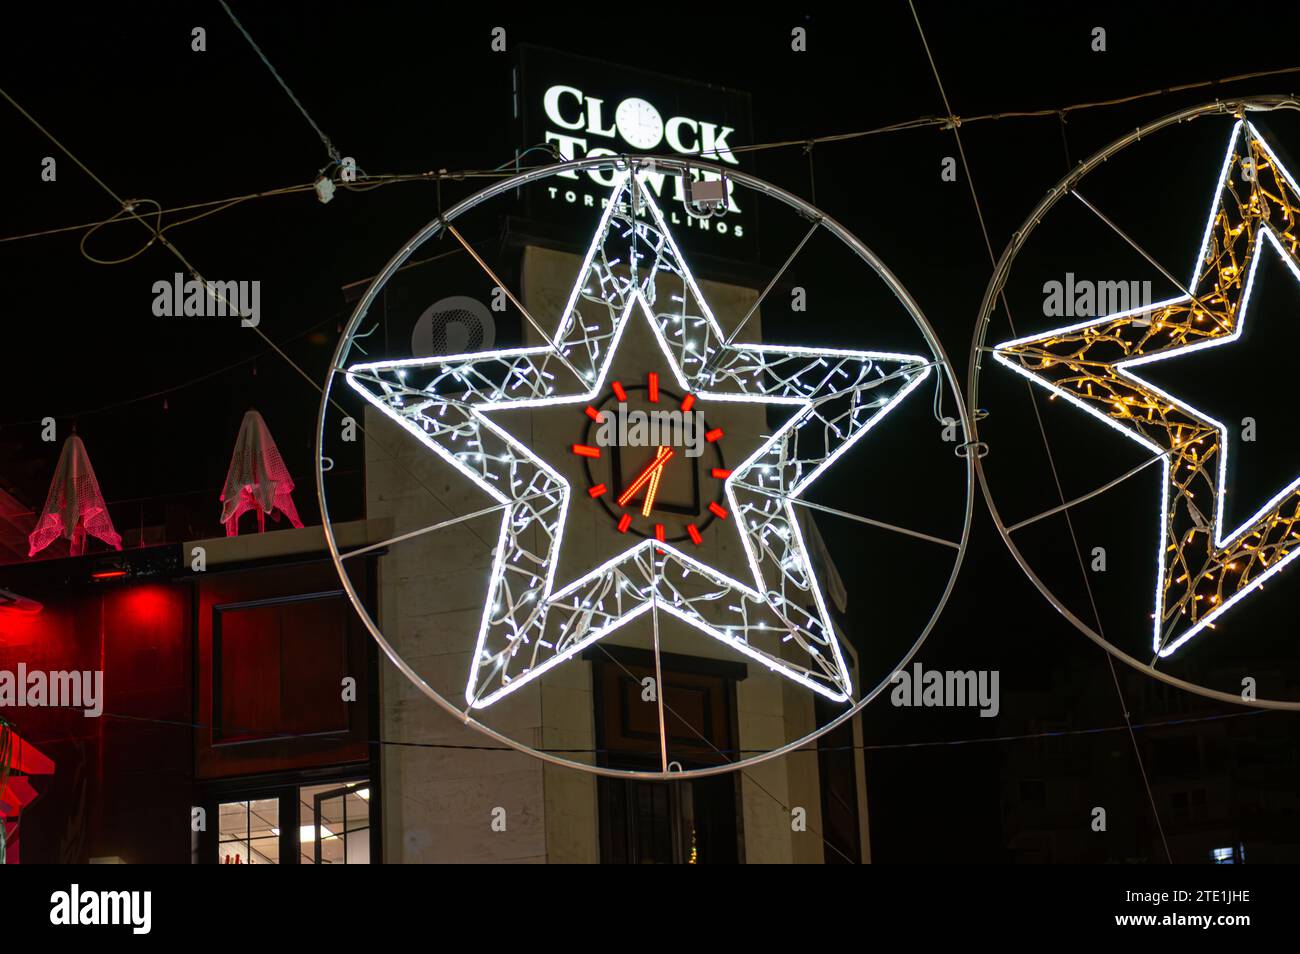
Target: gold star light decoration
point(1203, 568)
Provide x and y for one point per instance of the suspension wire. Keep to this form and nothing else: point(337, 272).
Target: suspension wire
point(335, 157)
point(951, 120)
point(865, 747)
point(368, 183)
point(1065, 141)
point(216, 293)
point(925, 122)
point(812, 172)
point(206, 376)
point(988, 244)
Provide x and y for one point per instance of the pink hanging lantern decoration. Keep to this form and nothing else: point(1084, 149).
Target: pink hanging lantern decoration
point(257, 479)
point(74, 507)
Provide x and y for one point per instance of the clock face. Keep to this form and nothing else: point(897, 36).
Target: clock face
point(639, 123)
point(653, 462)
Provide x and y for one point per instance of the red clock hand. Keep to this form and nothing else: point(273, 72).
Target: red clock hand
point(650, 475)
point(653, 488)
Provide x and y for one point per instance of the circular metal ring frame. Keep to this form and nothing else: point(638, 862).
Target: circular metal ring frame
point(1001, 273)
point(436, 227)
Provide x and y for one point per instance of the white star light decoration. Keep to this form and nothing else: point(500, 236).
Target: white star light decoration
point(777, 615)
point(1202, 570)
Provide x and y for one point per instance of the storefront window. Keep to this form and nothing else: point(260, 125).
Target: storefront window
point(250, 833)
point(285, 822)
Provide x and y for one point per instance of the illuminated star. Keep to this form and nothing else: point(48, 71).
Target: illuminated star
point(531, 621)
point(1202, 568)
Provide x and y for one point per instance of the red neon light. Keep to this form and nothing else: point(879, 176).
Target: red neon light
point(652, 381)
point(651, 473)
point(583, 450)
point(718, 511)
point(108, 574)
point(713, 435)
point(720, 473)
point(648, 504)
point(624, 522)
point(595, 415)
point(596, 491)
point(15, 605)
point(659, 532)
point(618, 391)
point(694, 531)
point(688, 402)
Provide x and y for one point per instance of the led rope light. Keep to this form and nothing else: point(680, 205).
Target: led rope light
point(1201, 569)
point(528, 626)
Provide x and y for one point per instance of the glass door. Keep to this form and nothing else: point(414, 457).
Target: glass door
point(339, 829)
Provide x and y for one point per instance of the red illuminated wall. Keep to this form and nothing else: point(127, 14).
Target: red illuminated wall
point(125, 782)
point(122, 782)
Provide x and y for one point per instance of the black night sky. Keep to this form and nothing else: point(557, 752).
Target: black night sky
point(410, 88)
